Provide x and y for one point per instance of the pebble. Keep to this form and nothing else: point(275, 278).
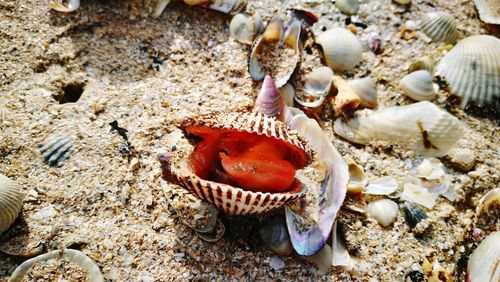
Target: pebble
point(276, 263)
point(45, 213)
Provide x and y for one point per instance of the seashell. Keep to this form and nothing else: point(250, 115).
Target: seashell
point(213, 235)
point(488, 11)
point(440, 27)
point(430, 169)
point(366, 90)
point(275, 235)
point(426, 128)
point(269, 101)
point(382, 186)
point(341, 48)
point(287, 93)
point(418, 85)
point(484, 261)
point(230, 7)
point(340, 255)
point(243, 28)
point(472, 70)
point(418, 194)
point(357, 178)
point(316, 87)
point(413, 214)
point(56, 149)
point(227, 171)
point(11, 201)
point(284, 43)
point(71, 5)
point(424, 63)
point(462, 159)
point(160, 7)
point(487, 216)
point(74, 256)
point(384, 211)
point(346, 99)
point(348, 7)
point(402, 2)
point(322, 259)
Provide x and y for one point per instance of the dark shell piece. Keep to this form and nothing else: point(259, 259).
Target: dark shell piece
point(56, 149)
point(413, 214)
point(215, 234)
point(415, 275)
point(274, 235)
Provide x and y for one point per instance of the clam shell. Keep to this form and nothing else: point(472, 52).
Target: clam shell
point(483, 265)
point(10, 202)
point(423, 126)
point(71, 6)
point(243, 28)
point(341, 48)
point(366, 90)
point(319, 81)
point(230, 199)
point(489, 11)
point(472, 70)
point(384, 211)
point(440, 27)
point(424, 63)
point(418, 85)
point(56, 149)
point(348, 7)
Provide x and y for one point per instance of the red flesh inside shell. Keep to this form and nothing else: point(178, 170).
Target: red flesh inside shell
point(250, 161)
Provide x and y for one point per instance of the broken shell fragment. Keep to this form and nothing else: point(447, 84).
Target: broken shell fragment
point(484, 261)
point(341, 48)
point(56, 149)
point(413, 214)
point(384, 211)
point(426, 128)
point(214, 234)
point(488, 11)
point(430, 169)
point(472, 70)
point(424, 63)
point(275, 235)
point(440, 27)
point(487, 215)
point(71, 6)
point(243, 163)
point(346, 99)
point(348, 7)
point(357, 178)
point(230, 7)
point(11, 201)
point(418, 194)
point(319, 81)
point(243, 28)
point(462, 159)
point(418, 85)
point(382, 186)
point(366, 90)
point(277, 52)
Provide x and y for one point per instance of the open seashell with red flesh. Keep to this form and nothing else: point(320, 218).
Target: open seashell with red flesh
point(244, 163)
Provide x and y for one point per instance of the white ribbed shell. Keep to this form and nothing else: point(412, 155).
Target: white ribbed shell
point(418, 85)
point(341, 48)
point(230, 199)
point(423, 126)
point(440, 27)
point(10, 202)
point(472, 70)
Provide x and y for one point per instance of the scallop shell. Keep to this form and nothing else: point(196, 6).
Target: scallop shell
point(341, 48)
point(10, 202)
point(426, 128)
point(56, 149)
point(472, 70)
point(348, 7)
point(489, 12)
point(424, 63)
point(230, 199)
point(243, 28)
point(366, 90)
point(462, 159)
point(440, 27)
point(418, 85)
point(384, 211)
point(483, 265)
point(276, 33)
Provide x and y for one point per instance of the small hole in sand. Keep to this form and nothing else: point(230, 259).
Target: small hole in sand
point(70, 93)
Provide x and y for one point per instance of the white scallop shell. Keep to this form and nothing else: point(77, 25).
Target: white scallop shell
point(423, 126)
point(483, 265)
point(423, 63)
point(489, 11)
point(230, 199)
point(348, 7)
point(418, 85)
point(384, 211)
point(440, 27)
point(341, 48)
point(366, 90)
point(462, 158)
point(10, 202)
point(472, 70)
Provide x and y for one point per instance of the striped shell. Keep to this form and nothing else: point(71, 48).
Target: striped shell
point(341, 48)
point(472, 70)
point(440, 27)
point(418, 85)
point(10, 202)
point(230, 199)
